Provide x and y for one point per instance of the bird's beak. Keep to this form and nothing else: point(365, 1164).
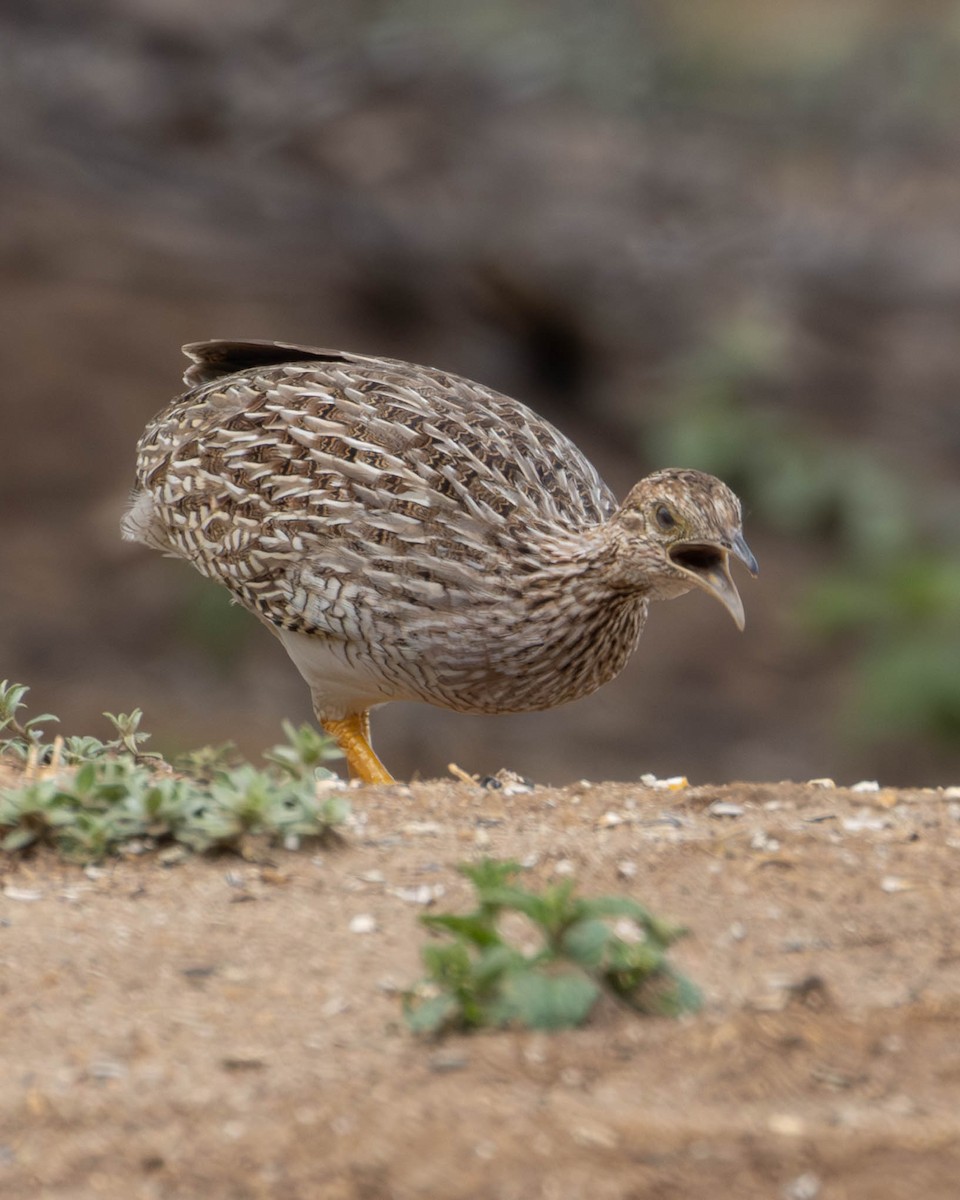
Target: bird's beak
point(708, 566)
point(743, 552)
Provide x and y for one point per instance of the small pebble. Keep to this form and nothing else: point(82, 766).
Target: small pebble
point(422, 828)
point(951, 793)
point(563, 867)
point(372, 877)
point(610, 819)
point(675, 783)
point(628, 931)
point(103, 1069)
point(866, 785)
point(517, 789)
point(891, 884)
point(804, 1187)
point(535, 1051)
point(627, 869)
point(595, 1136)
point(426, 893)
point(864, 820)
point(243, 1062)
point(16, 893)
point(363, 923)
point(442, 1063)
point(171, 857)
point(821, 783)
point(786, 1124)
point(509, 782)
point(724, 808)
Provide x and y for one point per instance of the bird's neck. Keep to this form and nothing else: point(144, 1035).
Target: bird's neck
point(578, 618)
point(604, 564)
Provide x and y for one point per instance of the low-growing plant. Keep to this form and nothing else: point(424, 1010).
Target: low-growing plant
point(27, 736)
point(90, 798)
point(480, 976)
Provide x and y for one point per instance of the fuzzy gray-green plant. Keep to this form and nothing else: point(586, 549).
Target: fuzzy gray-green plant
point(89, 798)
point(479, 977)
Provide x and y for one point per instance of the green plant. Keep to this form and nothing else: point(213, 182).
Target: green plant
point(27, 740)
point(481, 977)
point(89, 798)
point(24, 733)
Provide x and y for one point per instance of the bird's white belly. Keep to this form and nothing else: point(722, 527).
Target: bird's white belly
point(338, 686)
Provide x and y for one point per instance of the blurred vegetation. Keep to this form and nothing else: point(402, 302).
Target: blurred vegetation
point(895, 591)
point(89, 799)
point(482, 976)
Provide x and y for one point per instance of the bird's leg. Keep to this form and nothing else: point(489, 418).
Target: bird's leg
point(353, 737)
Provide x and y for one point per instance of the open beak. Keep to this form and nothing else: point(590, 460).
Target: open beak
point(708, 566)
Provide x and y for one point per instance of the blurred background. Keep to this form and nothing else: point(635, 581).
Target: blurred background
point(723, 235)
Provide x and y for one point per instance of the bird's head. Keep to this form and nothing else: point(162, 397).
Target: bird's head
point(677, 529)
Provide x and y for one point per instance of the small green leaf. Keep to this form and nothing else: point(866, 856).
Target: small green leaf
point(587, 942)
point(494, 962)
point(429, 1016)
point(537, 908)
point(475, 928)
point(489, 873)
point(549, 999)
point(85, 777)
point(19, 839)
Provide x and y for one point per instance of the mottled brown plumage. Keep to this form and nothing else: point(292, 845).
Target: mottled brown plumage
point(411, 535)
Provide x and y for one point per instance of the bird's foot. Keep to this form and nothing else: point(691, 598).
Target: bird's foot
point(352, 735)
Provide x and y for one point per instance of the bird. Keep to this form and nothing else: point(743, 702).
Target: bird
point(408, 534)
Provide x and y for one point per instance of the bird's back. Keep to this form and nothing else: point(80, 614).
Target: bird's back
point(306, 480)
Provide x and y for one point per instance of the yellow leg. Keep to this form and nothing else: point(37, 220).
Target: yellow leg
point(353, 738)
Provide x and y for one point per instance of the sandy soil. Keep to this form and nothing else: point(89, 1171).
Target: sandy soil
point(216, 1029)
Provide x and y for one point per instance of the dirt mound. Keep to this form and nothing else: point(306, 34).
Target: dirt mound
point(220, 1028)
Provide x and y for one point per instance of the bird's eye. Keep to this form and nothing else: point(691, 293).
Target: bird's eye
point(665, 518)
